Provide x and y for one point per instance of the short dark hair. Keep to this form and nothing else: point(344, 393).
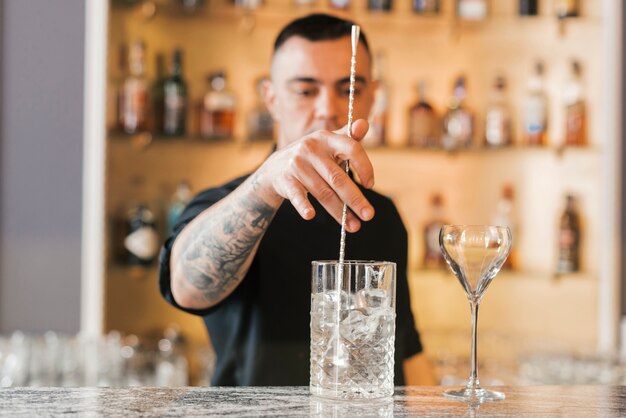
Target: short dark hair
point(318, 27)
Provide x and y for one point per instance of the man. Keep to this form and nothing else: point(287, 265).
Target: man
point(241, 253)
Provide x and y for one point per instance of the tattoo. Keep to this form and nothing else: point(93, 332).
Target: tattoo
point(216, 255)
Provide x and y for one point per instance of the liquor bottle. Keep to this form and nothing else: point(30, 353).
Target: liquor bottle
point(535, 110)
point(191, 6)
point(433, 257)
point(376, 135)
point(498, 117)
point(180, 200)
point(458, 122)
point(505, 216)
point(114, 90)
point(134, 109)
point(569, 239)
point(423, 121)
point(379, 5)
point(575, 118)
point(260, 122)
point(141, 241)
point(339, 4)
point(566, 8)
point(157, 94)
point(472, 9)
point(426, 7)
point(217, 117)
point(304, 3)
point(528, 7)
point(175, 98)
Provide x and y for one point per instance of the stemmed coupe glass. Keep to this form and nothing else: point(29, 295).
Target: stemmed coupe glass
point(475, 253)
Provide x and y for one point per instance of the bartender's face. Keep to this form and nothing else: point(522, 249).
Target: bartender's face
point(310, 86)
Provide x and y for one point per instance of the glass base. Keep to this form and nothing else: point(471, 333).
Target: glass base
point(474, 395)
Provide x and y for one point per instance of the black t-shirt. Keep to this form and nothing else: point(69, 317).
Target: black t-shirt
point(261, 331)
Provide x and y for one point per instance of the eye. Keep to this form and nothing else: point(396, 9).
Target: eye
point(345, 91)
point(306, 92)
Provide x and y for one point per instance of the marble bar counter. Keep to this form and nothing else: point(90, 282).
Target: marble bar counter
point(536, 401)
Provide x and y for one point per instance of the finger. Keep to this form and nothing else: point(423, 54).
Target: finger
point(295, 192)
point(344, 187)
point(344, 148)
point(359, 129)
point(327, 197)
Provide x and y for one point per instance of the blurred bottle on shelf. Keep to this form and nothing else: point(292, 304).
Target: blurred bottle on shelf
point(567, 8)
point(433, 257)
point(498, 116)
point(377, 133)
point(249, 4)
point(569, 239)
point(423, 121)
point(134, 102)
point(140, 242)
point(339, 4)
point(528, 7)
point(115, 89)
point(472, 9)
point(304, 3)
point(379, 5)
point(505, 216)
point(178, 203)
point(191, 6)
point(217, 116)
point(175, 99)
point(260, 122)
point(427, 7)
point(157, 94)
point(575, 115)
point(458, 122)
point(535, 109)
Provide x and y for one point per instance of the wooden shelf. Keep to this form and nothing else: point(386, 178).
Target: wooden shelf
point(401, 13)
point(145, 140)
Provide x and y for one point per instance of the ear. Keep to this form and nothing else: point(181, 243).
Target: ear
point(270, 99)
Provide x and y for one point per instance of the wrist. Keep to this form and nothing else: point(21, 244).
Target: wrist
point(264, 190)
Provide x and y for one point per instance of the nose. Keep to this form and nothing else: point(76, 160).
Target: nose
point(327, 108)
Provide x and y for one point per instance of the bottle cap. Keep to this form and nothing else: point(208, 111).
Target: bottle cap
point(500, 82)
point(508, 192)
point(576, 68)
point(436, 199)
point(539, 68)
point(217, 79)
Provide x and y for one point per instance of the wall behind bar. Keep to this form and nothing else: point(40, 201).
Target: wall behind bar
point(41, 107)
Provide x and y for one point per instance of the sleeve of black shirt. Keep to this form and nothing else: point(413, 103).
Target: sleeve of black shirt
point(198, 204)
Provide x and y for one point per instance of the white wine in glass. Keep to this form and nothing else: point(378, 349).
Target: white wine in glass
point(475, 253)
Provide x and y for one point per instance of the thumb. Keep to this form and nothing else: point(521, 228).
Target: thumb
point(359, 129)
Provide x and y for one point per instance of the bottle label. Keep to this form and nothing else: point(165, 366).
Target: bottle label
point(135, 102)
point(472, 9)
point(422, 129)
point(535, 120)
point(459, 130)
point(567, 239)
point(143, 243)
point(497, 127)
point(574, 125)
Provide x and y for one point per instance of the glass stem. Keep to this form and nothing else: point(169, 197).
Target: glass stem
point(473, 382)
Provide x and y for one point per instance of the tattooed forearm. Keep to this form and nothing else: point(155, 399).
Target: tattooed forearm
point(218, 251)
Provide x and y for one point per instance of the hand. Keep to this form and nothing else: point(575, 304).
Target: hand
point(313, 165)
